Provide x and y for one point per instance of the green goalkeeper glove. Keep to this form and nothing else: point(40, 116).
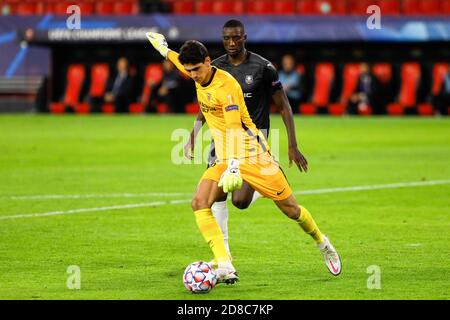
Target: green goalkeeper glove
point(231, 179)
point(159, 42)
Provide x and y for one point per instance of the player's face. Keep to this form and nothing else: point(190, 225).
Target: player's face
point(233, 40)
point(199, 72)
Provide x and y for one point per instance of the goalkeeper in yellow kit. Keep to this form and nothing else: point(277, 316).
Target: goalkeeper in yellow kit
point(242, 153)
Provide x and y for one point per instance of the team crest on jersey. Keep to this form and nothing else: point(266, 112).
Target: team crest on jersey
point(208, 96)
point(248, 79)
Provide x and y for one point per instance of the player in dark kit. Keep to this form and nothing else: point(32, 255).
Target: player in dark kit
point(259, 82)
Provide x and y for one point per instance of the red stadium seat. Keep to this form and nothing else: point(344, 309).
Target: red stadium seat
point(431, 7)
point(323, 80)
point(425, 109)
point(60, 8)
point(75, 80)
point(259, 7)
point(30, 8)
point(192, 108)
point(359, 7)
point(284, 7)
point(99, 78)
point(307, 7)
point(307, 109)
point(439, 71)
point(123, 8)
point(82, 107)
point(204, 6)
point(153, 76)
point(445, 7)
point(324, 76)
point(350, 77)
point(162, 108)
point(383, 71)
point(410, 76)
point(108, 108)
point(183, 7)
point(412, 7)
point(228, 7)
point(350, 80)
point(322, 7)
point(395, 109)
point(136, 108)
point(390, 7)
point(104, 8)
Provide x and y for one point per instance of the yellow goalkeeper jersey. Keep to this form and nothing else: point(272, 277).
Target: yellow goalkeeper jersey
point(222, 103)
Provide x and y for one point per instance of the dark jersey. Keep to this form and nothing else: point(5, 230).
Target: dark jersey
point(259, 80)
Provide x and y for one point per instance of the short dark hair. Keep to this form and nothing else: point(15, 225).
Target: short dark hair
point(233, 23)
point(193, 52)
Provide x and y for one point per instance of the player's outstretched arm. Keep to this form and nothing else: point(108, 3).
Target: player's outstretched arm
point(282, 102)
point(159, 42)
point(190, 145)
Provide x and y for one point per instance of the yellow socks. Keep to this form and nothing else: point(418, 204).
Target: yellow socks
point(307, 223)
point(211, 232)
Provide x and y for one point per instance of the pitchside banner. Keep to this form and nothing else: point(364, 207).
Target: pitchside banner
point(269, 29)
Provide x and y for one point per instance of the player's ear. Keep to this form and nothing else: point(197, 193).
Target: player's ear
point(208, 60)
point(245, 37)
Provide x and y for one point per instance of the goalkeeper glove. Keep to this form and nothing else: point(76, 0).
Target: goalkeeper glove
point(231, 179)
point(159, 42)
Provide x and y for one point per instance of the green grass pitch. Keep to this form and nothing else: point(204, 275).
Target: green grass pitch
point(141, 252)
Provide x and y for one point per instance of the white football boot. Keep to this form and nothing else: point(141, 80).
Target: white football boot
point(331, 257)
point(226, 273)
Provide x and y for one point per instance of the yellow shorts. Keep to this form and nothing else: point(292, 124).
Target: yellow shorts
point(262, 173)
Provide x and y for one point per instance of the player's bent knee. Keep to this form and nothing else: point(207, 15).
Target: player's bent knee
point(198, 204)
point(241, 203)
point(292, 211)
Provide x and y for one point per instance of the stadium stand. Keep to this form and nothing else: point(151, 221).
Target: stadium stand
point(221, 7)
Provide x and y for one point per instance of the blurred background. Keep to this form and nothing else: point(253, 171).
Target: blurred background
point(340, 65)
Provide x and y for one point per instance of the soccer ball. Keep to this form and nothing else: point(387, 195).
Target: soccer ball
point(199, 277)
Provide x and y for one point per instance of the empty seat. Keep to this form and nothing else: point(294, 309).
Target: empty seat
point(123, 8)
point(412, 7)
point(204, 6)
point(75, 80)
point(99, 78)
point(390, 7)
point(183, 7)
point(323, 79)
point(29, 8)
point(410, 77)
point(350, 80)
point(228, 7)
point(60, 8)
point(259, 7)
point(359, 7)
point(445, 7)
point(153, 75)
point(431, 7)
point(104, 8)
point(284, 7)
point(322, 7)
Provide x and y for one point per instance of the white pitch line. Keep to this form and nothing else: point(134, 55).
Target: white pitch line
point(96, 196)
point(181, 194)
point(118, 207)
point(375, 187)
point(161, 203)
